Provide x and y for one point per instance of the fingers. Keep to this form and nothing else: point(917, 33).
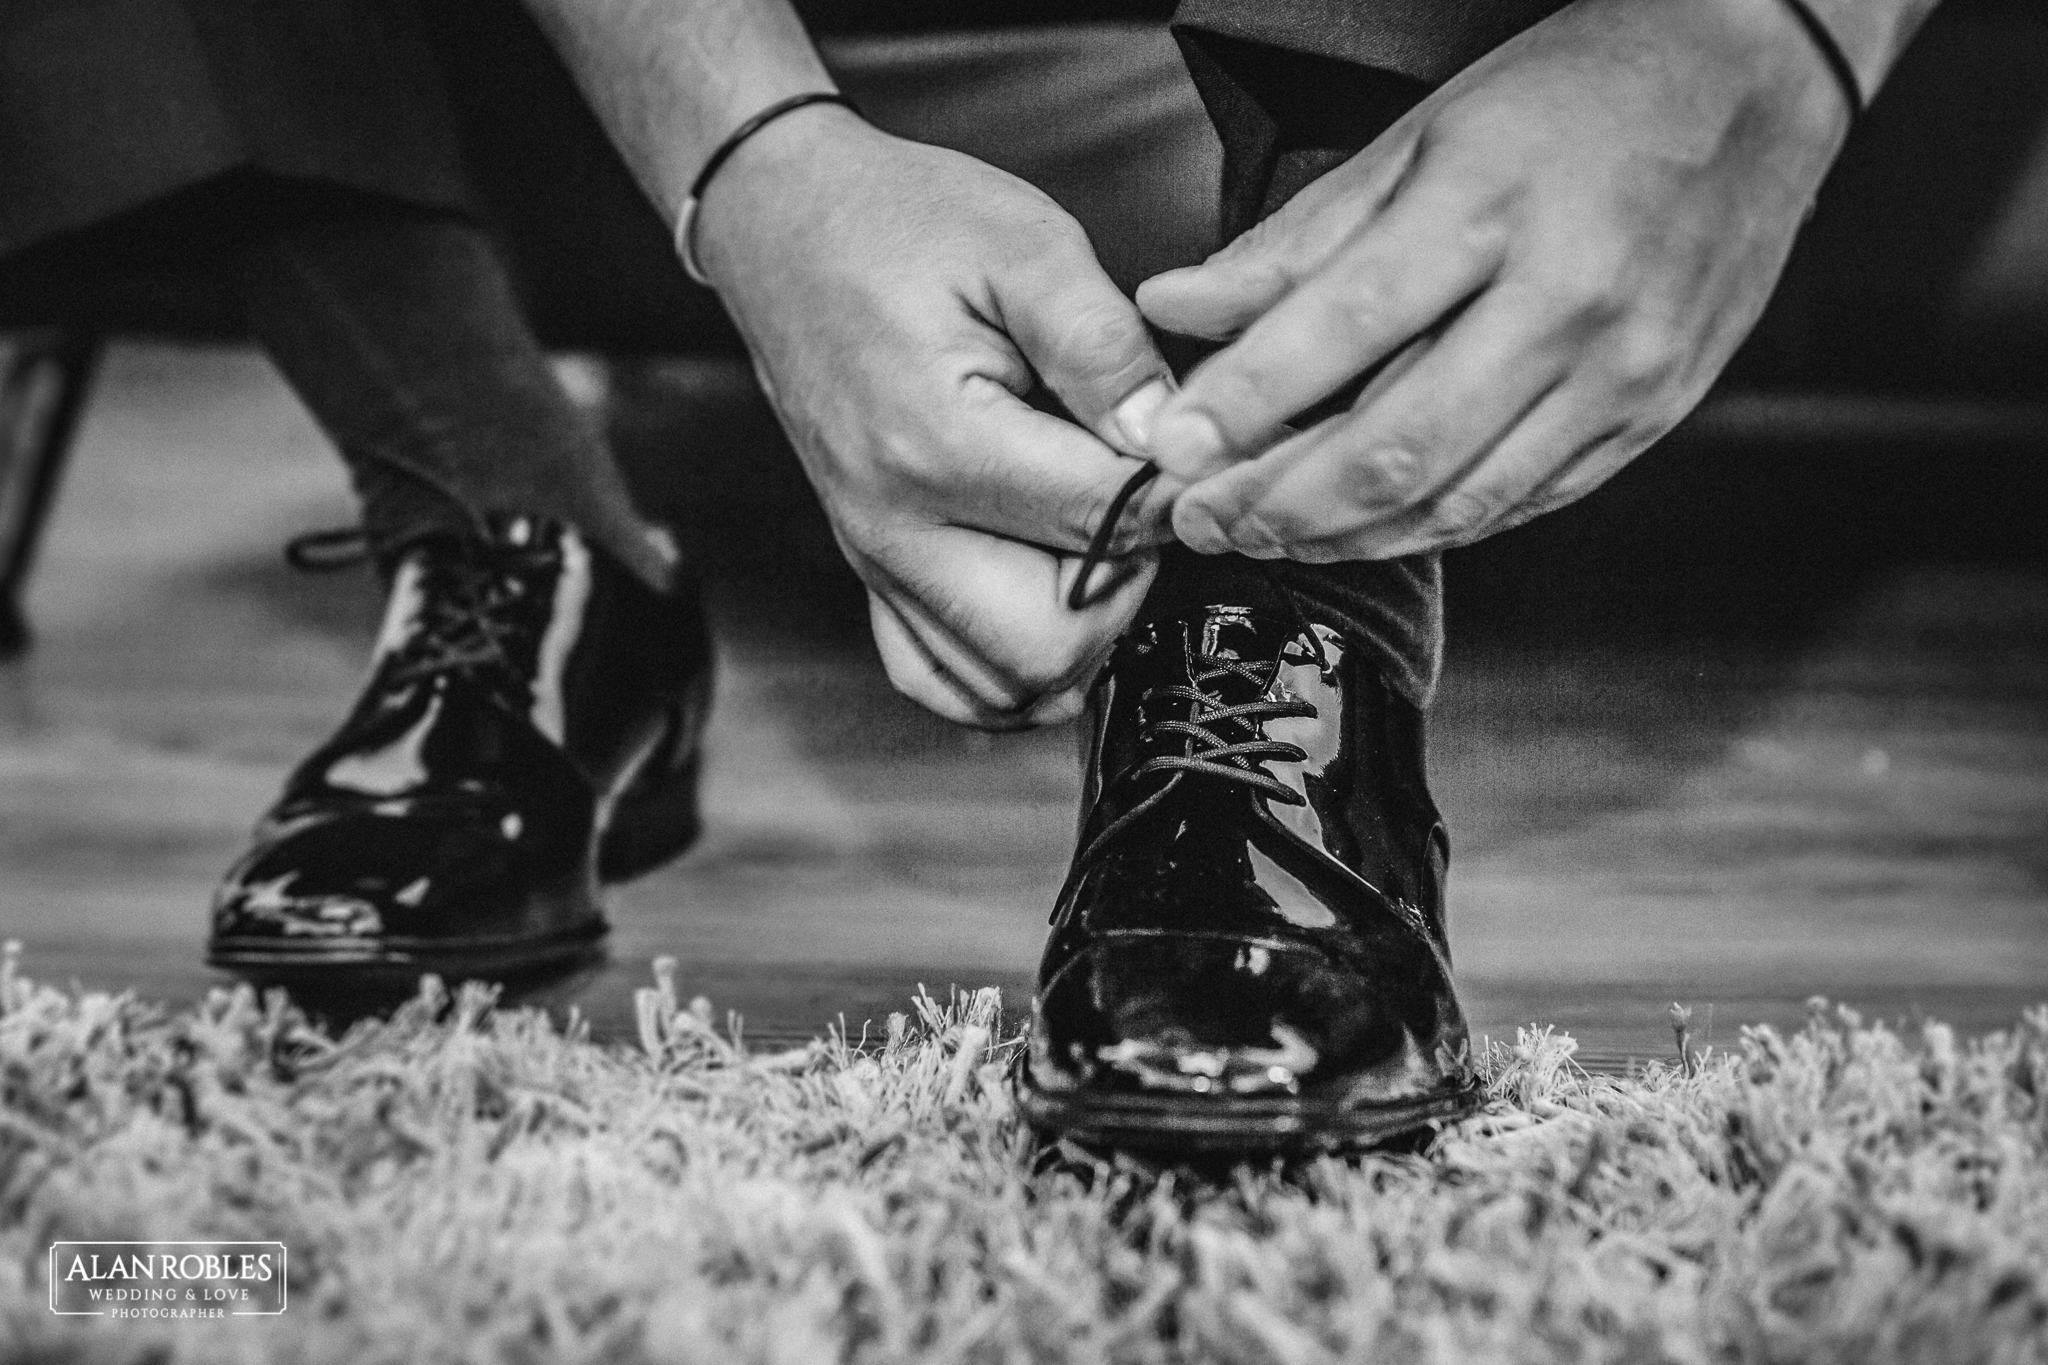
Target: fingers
point(977, 628)
point(921, 675)
point(1195, 521)
point(1568, 445)
point(1561, 451)
point(1014, 471)
point(1233, 288)
point(1408, 442)
point(1086, 341)
point(1391, 282)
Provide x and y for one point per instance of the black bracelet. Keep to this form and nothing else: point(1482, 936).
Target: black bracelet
point(1831, 53)
point(686, 220)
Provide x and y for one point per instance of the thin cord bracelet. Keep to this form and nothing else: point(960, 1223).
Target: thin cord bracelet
point(1831, 52)
point(686, 220)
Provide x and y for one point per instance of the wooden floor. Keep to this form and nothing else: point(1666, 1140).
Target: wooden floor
point(1855, 807)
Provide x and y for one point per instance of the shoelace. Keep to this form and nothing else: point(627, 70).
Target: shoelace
point(329, 551)
point(1231, 760)
point(1098, 545)
point(1234, 761)
point(1219, 757)
point(460, 626)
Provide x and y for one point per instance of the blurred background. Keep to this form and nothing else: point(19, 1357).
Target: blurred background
point(1765, 718)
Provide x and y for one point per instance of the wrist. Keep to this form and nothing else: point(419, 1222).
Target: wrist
point(766, 177)
point(753, 126)
point(1788, 73)
point(1872, 34)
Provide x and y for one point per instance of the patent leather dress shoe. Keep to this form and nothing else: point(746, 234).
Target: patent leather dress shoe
point(530, 729)
point(1248, 956)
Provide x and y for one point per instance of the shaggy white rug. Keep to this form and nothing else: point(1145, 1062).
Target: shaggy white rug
point(463, 1183)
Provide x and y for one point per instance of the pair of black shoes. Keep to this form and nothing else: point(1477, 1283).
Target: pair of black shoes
point(1248, 956)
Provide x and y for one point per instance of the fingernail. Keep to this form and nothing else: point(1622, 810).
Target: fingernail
point(1133, 416)
point(1186, 443)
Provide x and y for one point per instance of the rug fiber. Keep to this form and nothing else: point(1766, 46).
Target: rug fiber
point(461, 1182)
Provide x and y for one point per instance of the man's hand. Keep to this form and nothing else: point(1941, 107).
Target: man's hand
point(898, 299)
point(1551, 259)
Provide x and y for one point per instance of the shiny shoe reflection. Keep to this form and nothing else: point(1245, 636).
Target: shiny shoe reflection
point(1249, 952)
point(530, 729)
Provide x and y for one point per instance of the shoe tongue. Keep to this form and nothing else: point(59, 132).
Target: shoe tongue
point(1231, 634)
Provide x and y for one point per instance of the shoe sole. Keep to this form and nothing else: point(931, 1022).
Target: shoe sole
point(1224, 1126)
point(386, 967)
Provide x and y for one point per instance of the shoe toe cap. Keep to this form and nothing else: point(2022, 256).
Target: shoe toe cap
point(335, 876)
point(1237, 1016)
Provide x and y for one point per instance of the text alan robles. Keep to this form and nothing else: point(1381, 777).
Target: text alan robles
point(167, 1279)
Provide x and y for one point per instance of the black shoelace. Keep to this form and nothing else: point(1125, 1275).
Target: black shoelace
point(329, 551)
point(464, 625)
point(465, 607)
point(1078, 597)
point(1215, 755)
point(1211, 754)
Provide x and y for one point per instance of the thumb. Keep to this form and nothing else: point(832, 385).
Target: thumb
point(1088, 343)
